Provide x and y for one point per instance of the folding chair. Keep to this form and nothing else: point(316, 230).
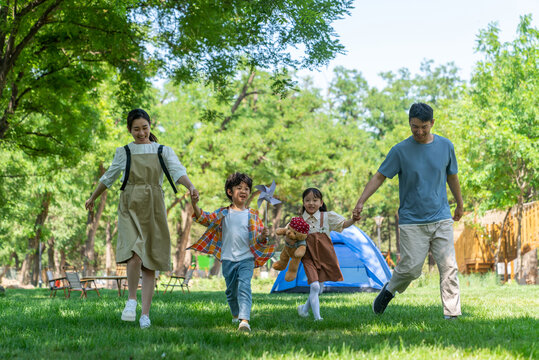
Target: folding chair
point(121, 270)
point(184, 281)
point(56, 284)
point(75, 284)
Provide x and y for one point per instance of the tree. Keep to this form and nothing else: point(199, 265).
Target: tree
point(68, 47)
point(53, 56)
point(498, 121)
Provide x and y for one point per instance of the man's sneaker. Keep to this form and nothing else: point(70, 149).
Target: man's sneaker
point(130, 311)
point(235, 320)
point(244, 326)
point(451, 317)
point(380, 302)
point(144, 322)
point(302, 312)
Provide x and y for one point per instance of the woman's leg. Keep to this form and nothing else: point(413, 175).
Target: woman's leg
point(148, 288)
point(133, 275)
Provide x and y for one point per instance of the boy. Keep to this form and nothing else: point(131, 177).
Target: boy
point(237, 238)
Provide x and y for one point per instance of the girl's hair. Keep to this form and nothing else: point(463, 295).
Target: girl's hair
point(317, 194)
point(140, 114)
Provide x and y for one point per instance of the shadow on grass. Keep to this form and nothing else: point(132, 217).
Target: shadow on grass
point(198, 325)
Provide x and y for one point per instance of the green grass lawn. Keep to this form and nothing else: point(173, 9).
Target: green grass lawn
point(498, 322)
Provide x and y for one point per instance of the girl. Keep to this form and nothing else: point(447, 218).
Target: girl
point(143, 236)
point(320, 261)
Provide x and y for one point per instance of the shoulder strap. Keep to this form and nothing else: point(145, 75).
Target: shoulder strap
point(321, 219)
point(127, 166)
point(164, 167)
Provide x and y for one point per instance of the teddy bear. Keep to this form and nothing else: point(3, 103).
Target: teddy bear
point(295, 234)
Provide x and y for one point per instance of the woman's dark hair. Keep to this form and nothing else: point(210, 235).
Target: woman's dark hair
point(317, 194)
point(140, 114)
point(236, 179)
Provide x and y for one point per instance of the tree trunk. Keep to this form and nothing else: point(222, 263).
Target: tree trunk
point(276, 221)
point(499, 243)
point(50, 253)
point(57, 262)
point(63, 261)
point(91, 229)
point(183, 236)
point(109, 252)
point(216, 268)
point(30, 266)
point(518, 272)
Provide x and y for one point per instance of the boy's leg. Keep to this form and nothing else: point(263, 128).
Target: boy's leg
point(443, 251)
point(230, 273)
point(414, 247)
point(245, 275)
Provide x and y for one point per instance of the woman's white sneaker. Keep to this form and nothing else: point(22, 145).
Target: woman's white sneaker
point(144, 322)
point(130, 311)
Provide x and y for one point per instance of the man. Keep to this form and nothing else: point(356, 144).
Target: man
point(424, 163)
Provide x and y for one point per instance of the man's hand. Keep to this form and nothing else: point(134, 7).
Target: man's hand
point(457, 215)
point(89, 205)
point(357, 212)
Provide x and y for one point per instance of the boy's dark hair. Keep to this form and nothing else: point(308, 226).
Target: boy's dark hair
point(317, 194)
point(421, 111)
point(236, 179)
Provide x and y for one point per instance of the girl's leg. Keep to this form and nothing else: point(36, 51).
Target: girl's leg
point(133, 275)
point(313, 299)
point(148, 284)
point(245, 300)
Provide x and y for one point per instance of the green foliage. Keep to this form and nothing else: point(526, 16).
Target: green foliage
point(211, 40)
point(498, 119)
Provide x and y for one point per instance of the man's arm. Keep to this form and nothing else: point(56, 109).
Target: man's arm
point(454, 186)
point(371, 187)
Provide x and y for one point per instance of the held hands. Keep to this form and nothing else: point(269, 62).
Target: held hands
point(357, 212)
point(89, 205)
point(194, 195)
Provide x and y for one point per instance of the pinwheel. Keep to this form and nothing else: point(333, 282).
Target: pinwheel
point(266, 194)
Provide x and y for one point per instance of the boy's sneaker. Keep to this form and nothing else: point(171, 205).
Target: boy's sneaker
point(302, 312)
point(244, 326)
point(144, 322)
point(451, 317)
point(235, 320)
point(130, 311)
point(380, 302)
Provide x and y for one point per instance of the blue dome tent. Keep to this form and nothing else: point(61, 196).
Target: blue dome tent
point(362, 265)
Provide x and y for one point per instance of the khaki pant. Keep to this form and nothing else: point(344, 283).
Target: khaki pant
point(415, 242)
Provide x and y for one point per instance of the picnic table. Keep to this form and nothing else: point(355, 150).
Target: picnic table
point(117, 278)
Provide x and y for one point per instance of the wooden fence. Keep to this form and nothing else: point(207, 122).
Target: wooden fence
point(476, 239)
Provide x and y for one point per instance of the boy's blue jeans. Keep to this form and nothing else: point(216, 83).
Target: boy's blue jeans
point(238, 275)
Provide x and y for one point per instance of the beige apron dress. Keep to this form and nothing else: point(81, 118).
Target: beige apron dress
point(142, 216)
point(320, 260)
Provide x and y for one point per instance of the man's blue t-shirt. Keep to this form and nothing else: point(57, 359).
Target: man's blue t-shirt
point(423, 170)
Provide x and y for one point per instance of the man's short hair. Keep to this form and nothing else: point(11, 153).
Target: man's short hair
point(236, 179)
point(421, 111)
